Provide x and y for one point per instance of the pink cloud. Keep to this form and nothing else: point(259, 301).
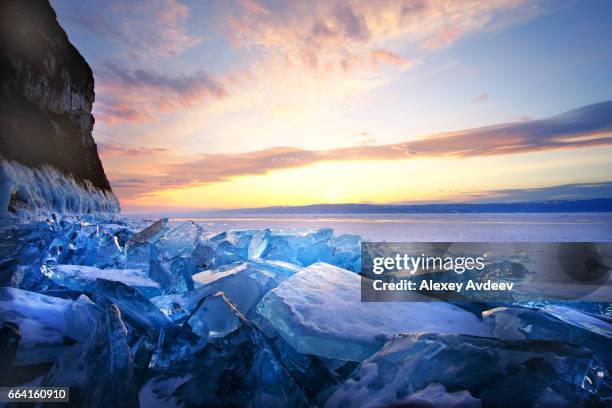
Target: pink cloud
point(584, 127)
point(117, 149)
point(339, 34)
point(138, 95)
point(389, 58)
point(483, 97)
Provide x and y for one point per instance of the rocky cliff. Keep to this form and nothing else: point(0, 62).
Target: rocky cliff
point(46, 96)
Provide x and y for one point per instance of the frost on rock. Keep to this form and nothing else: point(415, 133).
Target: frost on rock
point(81, 278)
point(495, 372)
point(319, 311)
point(28, 189)
point(48, 325)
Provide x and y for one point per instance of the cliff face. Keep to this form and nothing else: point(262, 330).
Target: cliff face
point(46, 95)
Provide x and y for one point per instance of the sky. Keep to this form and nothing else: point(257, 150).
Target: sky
point(251, 103)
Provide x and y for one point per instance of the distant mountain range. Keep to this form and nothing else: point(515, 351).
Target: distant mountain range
point(557, 206)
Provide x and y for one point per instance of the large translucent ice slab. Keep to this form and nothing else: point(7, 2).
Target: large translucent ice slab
point(174, 275)
point(179, 241)
point(140, 256)
point(319, 311)
point(524, 373)
point(215, 317)
point(80, 278)
point(110, 254)
point(244, 283)
point(48, 324)
point(135, 308)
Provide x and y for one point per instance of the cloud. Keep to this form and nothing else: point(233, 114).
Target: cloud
point(389, 58)
point(117, 149)
point(112, 112)
point(590, 125)
point(140, 29)
point(353, 26)
point(138, 95)
point(327, 35)
point(481, 98)
point(576, 191)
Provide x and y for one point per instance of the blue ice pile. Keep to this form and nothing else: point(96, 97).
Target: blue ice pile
point(132, 312)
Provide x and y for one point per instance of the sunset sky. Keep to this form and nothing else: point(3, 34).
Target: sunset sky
point(250, 103)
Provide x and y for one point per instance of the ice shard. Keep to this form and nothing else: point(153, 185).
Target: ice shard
point(300, 248)
point(48, 325)
point(214, 317)
point(258, 243)
point(140, 256)
point(237, 369)
point(174, 275)
point(244, 283)
point(136, 309)
point(498, 373)
point(203, 255)
point(99, 371)
point(555, 323)
point(319, 311)
point(179, 241)
point(81, 278)
point(150, 234)
point(110, 254)
point(347, 252)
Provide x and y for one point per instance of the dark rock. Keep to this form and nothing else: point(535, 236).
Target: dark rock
point(9, 341)
point(46, 95)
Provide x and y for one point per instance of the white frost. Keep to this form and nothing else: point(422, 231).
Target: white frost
point(48, 189)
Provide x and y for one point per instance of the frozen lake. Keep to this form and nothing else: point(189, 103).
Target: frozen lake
point(515, 227)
